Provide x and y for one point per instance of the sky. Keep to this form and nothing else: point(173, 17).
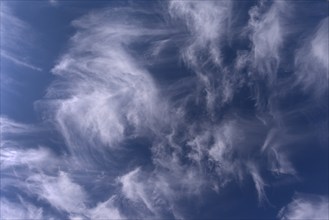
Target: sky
point(171, 109)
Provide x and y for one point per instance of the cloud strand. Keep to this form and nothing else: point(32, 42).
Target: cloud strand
point(142, 145)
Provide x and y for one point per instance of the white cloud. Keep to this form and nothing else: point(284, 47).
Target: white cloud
point(12, 28)
point(259, 182)
point(105, 96)
point(320, 44)
point(280, 162)
point(306, 206)
point(11, 127)
point(207, 23)
point(106, 210)
point(311, 61)
point(278, 158)
point(154, 194)
point(39, 173)
point(130, 186)
point(19, 210)
point(32, 158)
point(17, 61)
point(53, 2)
point(134, 189)
point(205, 26)
point(60, 191)
point(268, 32)
point(104, 84)
point(14, 150)
point(13, 47)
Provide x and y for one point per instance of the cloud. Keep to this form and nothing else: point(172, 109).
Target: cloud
point(19, 62)
point(207, 28)
point(207, 24)
point(9, 126)
point(21, 210)
point(53, 2)
point(306, 206)
point(15, 147)
point(268, 32)
point(26, 168)
point(106, 210)
point(137, 145)
point(311, 61)
point(259, 183)
point(320, 45)
point(39, 173)
point(13, 28)
point(153, 194)
point(60, 191)
point(134, 189)
point(130, 187)
point(102, 81)
point(32, 158)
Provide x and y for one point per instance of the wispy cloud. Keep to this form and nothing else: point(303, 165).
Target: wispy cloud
point(208, 24)
point(60, 191)
point(104, 82)
point(19, 62)
point(24, 210)
point(9, 126)
point(134, 189)
point(108, 87)
point(38, 173)
point(105, 210)
point(306, 206)
point(311, 61)
point(53, 2)
point(137, 145)
point(13, 47)
point(268, 32)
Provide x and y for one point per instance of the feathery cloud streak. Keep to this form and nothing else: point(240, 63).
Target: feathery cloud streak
point(144, 145)
point(306, 206)
point(13, 47)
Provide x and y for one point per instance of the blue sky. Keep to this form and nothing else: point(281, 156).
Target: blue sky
point(164, 109)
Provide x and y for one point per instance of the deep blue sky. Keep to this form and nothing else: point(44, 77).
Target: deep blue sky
point(164, 109)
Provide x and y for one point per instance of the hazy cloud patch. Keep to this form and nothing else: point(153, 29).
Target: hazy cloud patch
point(306, 206)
